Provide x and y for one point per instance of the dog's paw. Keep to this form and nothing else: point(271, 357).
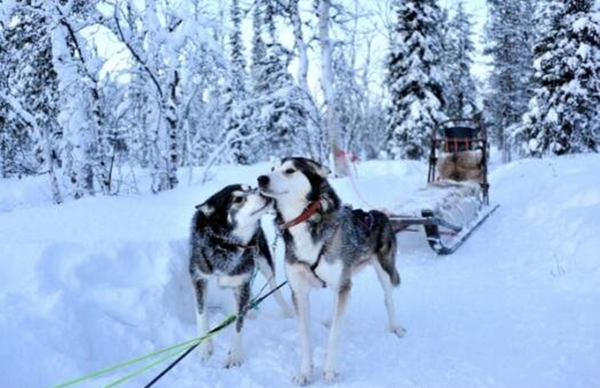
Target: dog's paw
point(398, 330)
point(330, 375)
point(206, 350)
point(301, 379)
point(233, 361)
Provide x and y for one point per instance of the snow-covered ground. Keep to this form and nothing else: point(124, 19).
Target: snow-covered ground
point(94, 282)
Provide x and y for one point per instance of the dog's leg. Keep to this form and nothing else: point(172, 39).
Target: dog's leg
point(268, 272)
point(388, 291)
point(242, 299)
point(301, 299)
point(201, 288)
point(341, 300)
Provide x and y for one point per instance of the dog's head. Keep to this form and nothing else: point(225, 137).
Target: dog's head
point(294, 179)
point(235, 206)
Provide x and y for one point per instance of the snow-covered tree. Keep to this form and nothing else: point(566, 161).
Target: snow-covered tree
point(332, 120)
point(510, 33)
point(317, 145)
point(414, 78)
point(82, 115)
point(237, 109)
point(32, 86)
point(461, 92)
point(563, 116)
point(280, 107)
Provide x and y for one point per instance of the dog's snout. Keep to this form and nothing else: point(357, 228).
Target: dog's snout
point(263, 181)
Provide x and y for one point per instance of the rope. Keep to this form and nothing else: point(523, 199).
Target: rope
point(253, 304)
point(184, 344)
point(355, 187)
point(182, 349)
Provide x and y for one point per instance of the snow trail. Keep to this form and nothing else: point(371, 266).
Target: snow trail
point(94, 282)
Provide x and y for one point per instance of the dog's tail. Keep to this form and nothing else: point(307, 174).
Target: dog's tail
point(386, 246)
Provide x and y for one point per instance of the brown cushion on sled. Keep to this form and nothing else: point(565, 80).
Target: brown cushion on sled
point(461, 166)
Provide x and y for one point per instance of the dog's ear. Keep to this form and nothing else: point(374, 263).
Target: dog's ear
point(321, 170)
point(206, 209)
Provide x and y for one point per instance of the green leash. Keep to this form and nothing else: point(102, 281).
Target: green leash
point(180, 349)
point(172, 351)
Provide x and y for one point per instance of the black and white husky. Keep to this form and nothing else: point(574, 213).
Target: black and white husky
point(325, 244)
point(227, 242)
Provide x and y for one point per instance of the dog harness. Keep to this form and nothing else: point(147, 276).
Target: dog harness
point(305, 215)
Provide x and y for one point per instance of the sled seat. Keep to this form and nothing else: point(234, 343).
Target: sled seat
point(461, 166)
point(456, 202)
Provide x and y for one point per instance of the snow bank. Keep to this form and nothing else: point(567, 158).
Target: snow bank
point(94, 282)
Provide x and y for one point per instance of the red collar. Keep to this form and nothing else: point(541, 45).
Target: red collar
point(305, 215)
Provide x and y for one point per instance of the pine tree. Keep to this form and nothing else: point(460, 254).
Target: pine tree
point(237, 109)
point(461, 92)
point(280, 110)
point(563, 116)
point(510, 32)
point(32, 86)
point(414, 78)
point(7, 156)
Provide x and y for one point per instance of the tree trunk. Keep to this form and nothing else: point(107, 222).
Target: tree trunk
point(172, 127)
point(332, 119)
point(313, 141)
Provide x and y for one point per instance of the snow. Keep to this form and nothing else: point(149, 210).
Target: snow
point(94, 282)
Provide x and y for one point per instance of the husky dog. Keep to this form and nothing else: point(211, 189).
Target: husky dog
point(227, 242)
point(325, 244)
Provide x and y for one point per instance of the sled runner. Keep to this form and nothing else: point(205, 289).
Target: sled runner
point(455, 201)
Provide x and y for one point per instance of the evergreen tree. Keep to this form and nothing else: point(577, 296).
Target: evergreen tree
point(510, 32)
point(280, 108)
point(563, 115)
point(461, 92)
point(32, 86)
point(414, 78)
point(237, 109)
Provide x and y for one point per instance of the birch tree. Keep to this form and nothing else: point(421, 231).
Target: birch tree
point(332, 122)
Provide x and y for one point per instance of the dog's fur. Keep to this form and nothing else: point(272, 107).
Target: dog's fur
point(227, 242)
point(327, 249)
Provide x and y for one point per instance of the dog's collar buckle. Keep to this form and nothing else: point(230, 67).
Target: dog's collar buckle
point(305, 215)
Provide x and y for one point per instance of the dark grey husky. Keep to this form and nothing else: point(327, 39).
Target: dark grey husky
point(226, 243)
point(325, 244)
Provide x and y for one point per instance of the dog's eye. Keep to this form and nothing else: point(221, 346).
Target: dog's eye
point(238, 200)
point(290, 171)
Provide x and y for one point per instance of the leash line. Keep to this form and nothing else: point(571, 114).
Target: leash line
point(226, 323)
point(171, 366)
point(172, 351)
point(122, 365)
point(146, 367)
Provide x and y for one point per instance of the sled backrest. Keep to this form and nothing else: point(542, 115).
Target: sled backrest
point(459, 138)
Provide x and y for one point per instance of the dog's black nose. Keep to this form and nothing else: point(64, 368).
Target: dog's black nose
point(263, 181)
